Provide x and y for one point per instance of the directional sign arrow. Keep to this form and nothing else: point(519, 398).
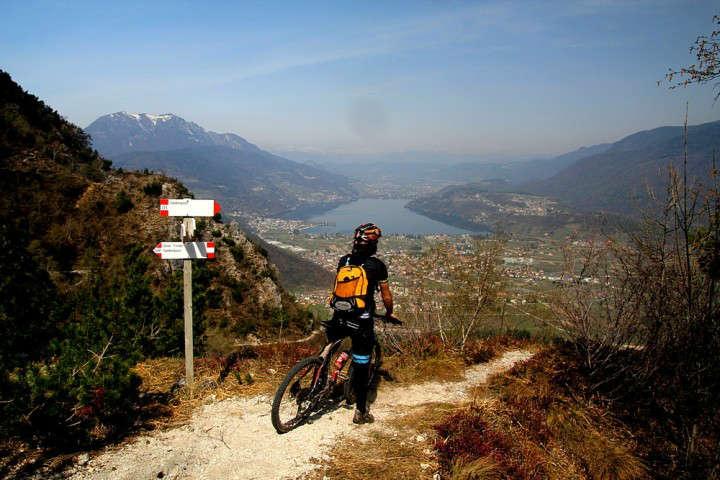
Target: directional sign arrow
point(188, 207)
point(184, 250)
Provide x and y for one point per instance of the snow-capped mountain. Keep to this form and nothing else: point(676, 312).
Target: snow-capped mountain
point(123, 132)
point(222, 165)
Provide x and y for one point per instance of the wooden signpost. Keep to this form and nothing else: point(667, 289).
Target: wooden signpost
point(187, 251)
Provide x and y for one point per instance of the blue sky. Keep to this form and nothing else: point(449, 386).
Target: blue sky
point(487, 78)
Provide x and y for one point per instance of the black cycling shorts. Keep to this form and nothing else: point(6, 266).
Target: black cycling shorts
point(360, 330)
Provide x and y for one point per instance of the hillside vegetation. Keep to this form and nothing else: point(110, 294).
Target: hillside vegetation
point(83, 296)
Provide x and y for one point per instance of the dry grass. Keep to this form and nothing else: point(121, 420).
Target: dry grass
point(445, 367)
point(240, 377)
point(529, 423)
point(425, 358)
point(404, 449)
point(259, 376)
point(483, 468)
point(593, 444)
point(471, 434)
point(424, 417)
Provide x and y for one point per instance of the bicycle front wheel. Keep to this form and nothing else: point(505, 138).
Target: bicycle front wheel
point(294, 396)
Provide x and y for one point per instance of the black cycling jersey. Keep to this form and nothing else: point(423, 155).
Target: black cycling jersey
point(362, 333)
point(374, 268)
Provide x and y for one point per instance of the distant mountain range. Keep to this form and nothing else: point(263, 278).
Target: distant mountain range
point(223, 165)
point(613, 179)
point(403, 173)
point(619, 178)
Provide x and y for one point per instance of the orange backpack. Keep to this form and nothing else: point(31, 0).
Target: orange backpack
point(351, 289)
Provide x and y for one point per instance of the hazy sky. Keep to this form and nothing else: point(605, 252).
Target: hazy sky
point(466, 77)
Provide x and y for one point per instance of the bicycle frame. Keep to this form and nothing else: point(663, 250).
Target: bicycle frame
point(326, 353)
point(323, 384)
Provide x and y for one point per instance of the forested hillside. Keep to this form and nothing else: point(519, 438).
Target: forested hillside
point(620, 179)
point(83, 296)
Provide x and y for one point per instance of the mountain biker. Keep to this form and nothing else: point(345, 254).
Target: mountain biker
point(360, 326)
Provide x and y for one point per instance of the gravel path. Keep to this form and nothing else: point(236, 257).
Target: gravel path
point(234, 439)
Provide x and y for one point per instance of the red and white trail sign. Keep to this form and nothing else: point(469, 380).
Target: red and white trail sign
point(188, 207)
point(184, 250)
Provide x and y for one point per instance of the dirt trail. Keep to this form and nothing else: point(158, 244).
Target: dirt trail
point(234, 439)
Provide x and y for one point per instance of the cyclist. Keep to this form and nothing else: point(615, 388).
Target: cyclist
point(359, 326)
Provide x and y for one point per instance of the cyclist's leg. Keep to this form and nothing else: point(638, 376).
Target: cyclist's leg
point(363, 341)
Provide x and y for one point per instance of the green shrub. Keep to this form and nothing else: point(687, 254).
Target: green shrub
point(238, 289)
point(214, 298)
point(153, 189)
point(123, 203)
point(238, 253)
point(245, 325)
point(89, 382)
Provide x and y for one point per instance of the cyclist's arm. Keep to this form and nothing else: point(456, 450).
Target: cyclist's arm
point(387, 297)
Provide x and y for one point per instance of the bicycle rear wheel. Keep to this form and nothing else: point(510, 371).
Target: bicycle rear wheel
point(293, 398)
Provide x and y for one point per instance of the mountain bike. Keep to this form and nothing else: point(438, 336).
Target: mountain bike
point(318, 382)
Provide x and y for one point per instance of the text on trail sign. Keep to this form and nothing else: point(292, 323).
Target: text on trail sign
point(184, 250)
point(188, 207)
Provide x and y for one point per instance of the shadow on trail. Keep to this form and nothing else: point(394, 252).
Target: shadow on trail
point(381, 375)
point(338, 400)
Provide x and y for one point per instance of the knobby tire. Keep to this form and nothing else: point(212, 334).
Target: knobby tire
point(277, 401)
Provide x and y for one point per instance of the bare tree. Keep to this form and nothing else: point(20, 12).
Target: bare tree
point(597, 303)
point(644, 313)
point(707, 67)
point(451, 291)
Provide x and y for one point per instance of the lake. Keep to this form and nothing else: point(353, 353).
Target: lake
point(390, 215)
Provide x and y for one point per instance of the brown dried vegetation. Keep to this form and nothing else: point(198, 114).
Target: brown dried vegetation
point(643, 319)
point(405, 450)
point(534, 423)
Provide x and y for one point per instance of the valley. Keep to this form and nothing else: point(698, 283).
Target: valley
point(531, 265)
point(171, 304)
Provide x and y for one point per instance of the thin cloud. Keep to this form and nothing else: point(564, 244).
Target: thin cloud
point(457, 26)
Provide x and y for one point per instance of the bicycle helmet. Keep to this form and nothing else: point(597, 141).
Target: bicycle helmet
point(366, 238)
